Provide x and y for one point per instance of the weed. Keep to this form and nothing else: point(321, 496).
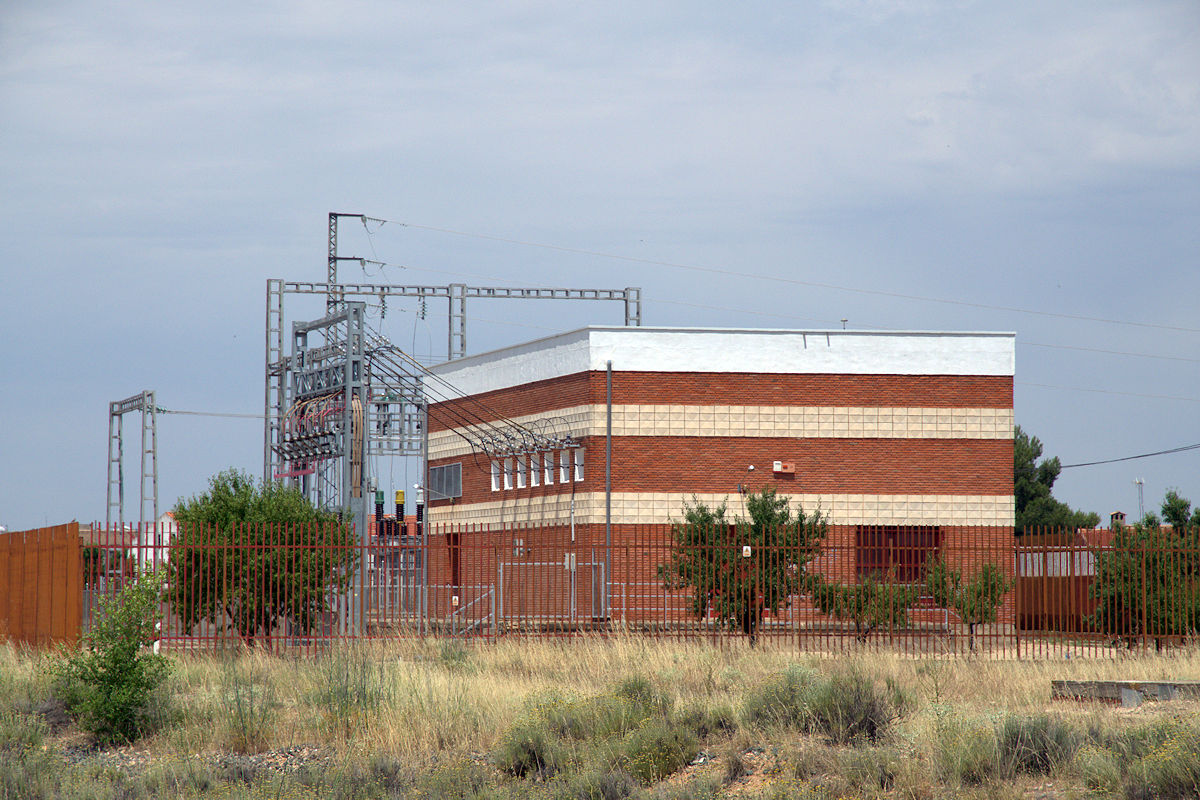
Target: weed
point(20, 732)
point(966, 753)
point(782, 700)
point(1098, 768)
point(1035, 745)
point(869, 767)
point(251, 702)
point(454, 655)
point(353, 685)
point(701, 788)
point(735, 766)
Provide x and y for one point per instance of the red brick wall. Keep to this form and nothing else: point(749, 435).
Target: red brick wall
point(534, 582)
point(719, 464)
point(702, 388)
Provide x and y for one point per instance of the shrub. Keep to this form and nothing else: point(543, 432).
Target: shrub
point(529, 749)
point(848, 709)
point(782, 700)
point(966, 752)
point(599, 784)
point(708, 722)
point(1170, 771)
point(657, 749)
point(1035, 745)
point(1098, 768)
point(110, 686)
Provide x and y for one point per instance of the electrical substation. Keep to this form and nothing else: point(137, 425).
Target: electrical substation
point(345, 397)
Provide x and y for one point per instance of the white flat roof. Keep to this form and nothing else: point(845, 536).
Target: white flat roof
point(755, 350)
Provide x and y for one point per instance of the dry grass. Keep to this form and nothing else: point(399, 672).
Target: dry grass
point(421, 701)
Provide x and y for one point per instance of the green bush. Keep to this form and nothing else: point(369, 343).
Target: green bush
point(110, 686)
point(1035, 745)
point(1098, 768)
point(657, 749)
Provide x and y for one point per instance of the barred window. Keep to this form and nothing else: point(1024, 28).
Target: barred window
point(897, 551)
point(445, 482)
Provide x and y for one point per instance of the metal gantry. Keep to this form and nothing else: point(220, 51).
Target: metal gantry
point(277, 366)
point(148, 473)
point(388, 383)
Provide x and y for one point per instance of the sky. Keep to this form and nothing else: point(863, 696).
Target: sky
point(1022, 166)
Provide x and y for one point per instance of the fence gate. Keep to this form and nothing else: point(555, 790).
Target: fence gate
point(551, 594)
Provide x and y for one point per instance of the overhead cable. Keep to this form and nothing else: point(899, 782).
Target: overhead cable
point(796, 281)
point(1182, 449)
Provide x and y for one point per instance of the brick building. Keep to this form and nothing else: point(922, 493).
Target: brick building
point(904, 439)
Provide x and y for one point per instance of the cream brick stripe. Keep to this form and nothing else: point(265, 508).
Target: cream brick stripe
point(809, 422)
point(641, 508)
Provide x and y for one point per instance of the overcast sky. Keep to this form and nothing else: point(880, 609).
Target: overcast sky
point(1037, 163)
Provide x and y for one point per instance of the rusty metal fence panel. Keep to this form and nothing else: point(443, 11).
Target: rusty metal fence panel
point(40, 588)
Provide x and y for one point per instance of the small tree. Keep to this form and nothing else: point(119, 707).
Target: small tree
point(708, 556)
point(252, 557)
point(108, 686)
point(1148, 580)
point(976, 600)
point(873, 603)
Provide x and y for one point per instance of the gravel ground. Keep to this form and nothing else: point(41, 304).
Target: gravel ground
point(130, 759)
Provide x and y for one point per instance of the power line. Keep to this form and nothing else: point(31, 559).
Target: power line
point(834, 323)
point(795, 281)
point(161, 410)
point(1109, 391)
point(1182, 449)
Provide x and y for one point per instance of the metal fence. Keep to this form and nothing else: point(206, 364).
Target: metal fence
point(285, 588)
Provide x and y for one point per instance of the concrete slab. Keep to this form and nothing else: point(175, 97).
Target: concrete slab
point(1127, 693)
